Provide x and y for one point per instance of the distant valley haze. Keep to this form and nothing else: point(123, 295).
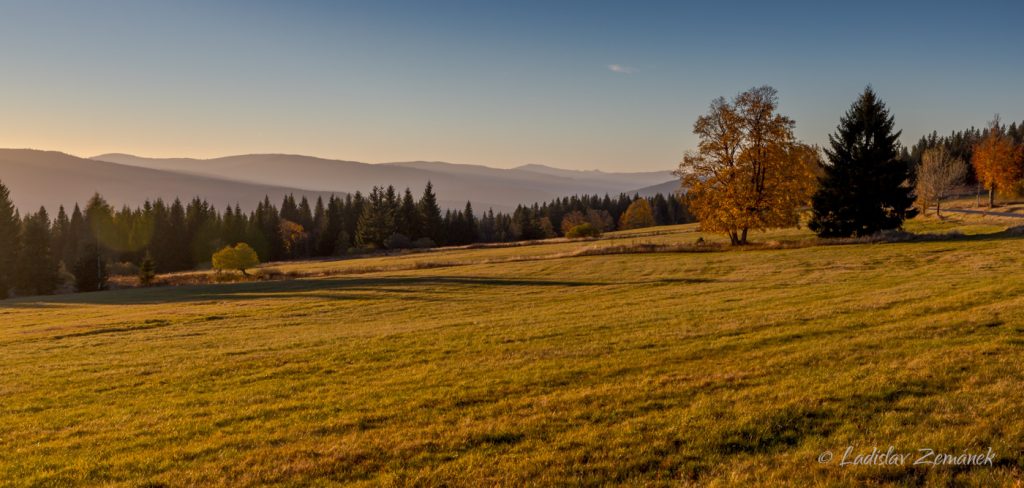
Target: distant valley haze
point(125, 179)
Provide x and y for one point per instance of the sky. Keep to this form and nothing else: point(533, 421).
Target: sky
point(614, 86)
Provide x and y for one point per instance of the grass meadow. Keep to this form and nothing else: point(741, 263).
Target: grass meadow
point(535, 365)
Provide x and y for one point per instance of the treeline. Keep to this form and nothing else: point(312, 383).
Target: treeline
point(960, 145)
point(39, 254)
point(749, 172)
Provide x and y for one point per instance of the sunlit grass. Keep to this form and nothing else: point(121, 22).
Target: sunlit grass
point(724, 368)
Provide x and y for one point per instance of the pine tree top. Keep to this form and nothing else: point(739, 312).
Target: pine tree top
point(865, 133)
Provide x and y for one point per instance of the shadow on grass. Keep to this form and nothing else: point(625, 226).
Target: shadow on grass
point(907, 237)
point(412, 287)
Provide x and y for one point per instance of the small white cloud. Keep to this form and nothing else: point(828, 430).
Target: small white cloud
point(618, 68)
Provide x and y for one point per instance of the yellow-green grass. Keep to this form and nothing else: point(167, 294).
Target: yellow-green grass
point(724, 368)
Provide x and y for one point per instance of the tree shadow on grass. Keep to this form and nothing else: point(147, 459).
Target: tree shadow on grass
point(1008, 234)
point(339, 288)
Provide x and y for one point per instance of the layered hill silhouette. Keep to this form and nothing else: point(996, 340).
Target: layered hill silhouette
point(48, 178)
point(666, 188)
point(485, 187)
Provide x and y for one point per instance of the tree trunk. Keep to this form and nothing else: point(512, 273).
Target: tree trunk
point(992, 196)
point(733, 239)
point(938, 208)
point(743, 237)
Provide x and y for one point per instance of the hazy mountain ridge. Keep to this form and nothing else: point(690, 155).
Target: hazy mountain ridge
point(50, 179)
point(666, 188)
point(485, 187)
point(645, 178)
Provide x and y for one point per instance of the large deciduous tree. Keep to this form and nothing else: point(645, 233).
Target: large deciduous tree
point(997, 161)
point(749, 171)
point(938, 176)
point(865, 188)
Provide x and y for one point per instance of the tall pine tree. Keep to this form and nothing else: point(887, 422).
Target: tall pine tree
point(91, 269)
point(431, 224)
point(9, 230)
point(36, 272)
point(864, 189)
point(377, 222)
point(407, 220)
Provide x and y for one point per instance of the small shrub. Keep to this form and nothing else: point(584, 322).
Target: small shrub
point(240, 257)
point(583, 230)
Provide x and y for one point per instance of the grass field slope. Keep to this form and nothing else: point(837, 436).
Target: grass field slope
point(535, 364)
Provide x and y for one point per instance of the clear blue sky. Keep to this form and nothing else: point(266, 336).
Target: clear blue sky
point(605, 85)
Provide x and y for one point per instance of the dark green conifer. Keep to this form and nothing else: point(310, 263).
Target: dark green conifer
point(865, 188)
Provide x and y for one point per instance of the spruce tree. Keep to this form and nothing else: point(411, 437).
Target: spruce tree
point(268, 223)
point(36, 271)
point(147, 269)
point(864, 189)
point(179, 246)
point(91, 269)
point(289, 210)
point(431, 224)
point(407, 220)
point(377, 222)
point(332, 227)
point(9, 230)
point(305, 214)
point(317, 230)
point(160, 245)
point(471, 231)
point(59, 234)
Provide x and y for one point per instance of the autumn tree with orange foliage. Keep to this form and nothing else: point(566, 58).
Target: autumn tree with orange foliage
point(996, 161)
point(749, 171)
point(638, 215)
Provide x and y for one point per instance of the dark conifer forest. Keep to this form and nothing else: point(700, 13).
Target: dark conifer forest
point(80, 246)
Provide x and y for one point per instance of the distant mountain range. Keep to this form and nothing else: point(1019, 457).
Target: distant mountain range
point(47, 178)
point(666, 188)
point(44, 178)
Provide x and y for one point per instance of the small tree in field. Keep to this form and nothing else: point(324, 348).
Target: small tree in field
point(585, 229)
point(240, 257)
point(938, 176)
point(638, 215)
point(997, 161)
